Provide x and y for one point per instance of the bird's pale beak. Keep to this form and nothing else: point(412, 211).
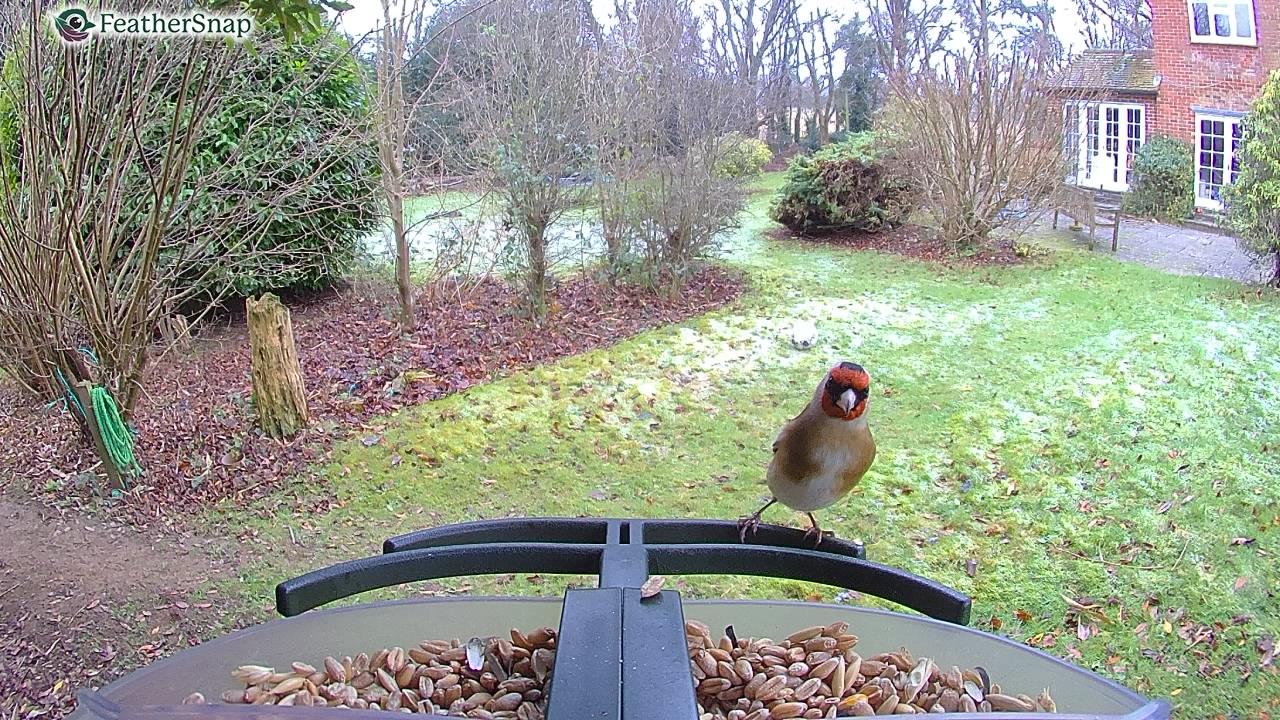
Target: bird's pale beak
point(847, 400)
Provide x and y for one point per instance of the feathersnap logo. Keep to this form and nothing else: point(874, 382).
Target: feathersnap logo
point(74, 24)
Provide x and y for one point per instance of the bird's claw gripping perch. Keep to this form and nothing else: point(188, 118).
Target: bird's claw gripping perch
point(752, 521)
point(817, 531)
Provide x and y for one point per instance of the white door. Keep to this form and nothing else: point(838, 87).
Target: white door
point(1217, 143)
point(1109, 137)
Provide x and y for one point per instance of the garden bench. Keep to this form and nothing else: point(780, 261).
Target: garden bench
point(1086, 208)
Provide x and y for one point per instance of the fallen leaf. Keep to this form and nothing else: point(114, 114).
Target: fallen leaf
point(1091, 609)
point(1240, 581)
point(599, 495)
point(371, 440)
point(1164, 507)
point(652, 586)
point(1083, 631)
point(1022, 615)
point(996, 623)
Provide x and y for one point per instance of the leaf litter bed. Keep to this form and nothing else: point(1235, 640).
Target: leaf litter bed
point(197, 441)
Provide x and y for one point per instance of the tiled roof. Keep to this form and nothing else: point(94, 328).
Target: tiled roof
point(1115, 70)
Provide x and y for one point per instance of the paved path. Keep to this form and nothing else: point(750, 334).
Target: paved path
point(1181, 250)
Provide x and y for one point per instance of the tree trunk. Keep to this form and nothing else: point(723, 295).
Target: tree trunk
point(537, 278)
point(404, 283)
point(278, 393)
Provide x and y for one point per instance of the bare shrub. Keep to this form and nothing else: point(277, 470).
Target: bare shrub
point(99, 236)
point(525, 99)
point(977, 141)
point(664, 126)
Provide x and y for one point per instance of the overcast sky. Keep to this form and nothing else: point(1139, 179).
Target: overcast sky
point(367, 15)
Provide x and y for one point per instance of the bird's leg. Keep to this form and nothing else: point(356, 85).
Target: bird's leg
point(751, 521)
point(815, 530)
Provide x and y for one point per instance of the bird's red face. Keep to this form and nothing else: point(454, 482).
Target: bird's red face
point(845, 394)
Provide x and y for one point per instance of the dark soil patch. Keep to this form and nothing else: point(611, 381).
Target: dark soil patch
point(913, 241)
point(782, 157)
point(64, 583)
point(197, 439)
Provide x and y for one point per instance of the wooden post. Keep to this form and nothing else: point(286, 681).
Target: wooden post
point(79, 371)
point(278, 392)
point(82, 390)
point(176, 332)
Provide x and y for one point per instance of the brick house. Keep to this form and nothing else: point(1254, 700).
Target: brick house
point(1209, 60)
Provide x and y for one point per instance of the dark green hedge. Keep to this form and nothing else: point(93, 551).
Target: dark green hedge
point(290, 140)
point(850, 185)
point(1163, 182)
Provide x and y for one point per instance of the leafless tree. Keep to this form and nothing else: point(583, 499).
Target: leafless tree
point(911, 33)
point(665, 113)
point(525, 105)
point(1120, 24)
point(10, 18)
point(391, 121)
point(752, 40)
point(99, 239)
point(978, 132)
point(820, 64)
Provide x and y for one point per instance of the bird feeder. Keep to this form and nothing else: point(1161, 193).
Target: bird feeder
point(618, 655)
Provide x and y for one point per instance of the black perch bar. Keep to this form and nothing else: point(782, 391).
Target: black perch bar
point(618, 655)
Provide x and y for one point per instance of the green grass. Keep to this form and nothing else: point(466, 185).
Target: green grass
point(1083, 427)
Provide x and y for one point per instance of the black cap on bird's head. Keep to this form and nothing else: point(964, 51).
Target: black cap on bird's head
point(845, 394)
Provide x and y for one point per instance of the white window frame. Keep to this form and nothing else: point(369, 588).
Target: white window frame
point(1229, 121)
point(1085, 173)
point(1229, 9)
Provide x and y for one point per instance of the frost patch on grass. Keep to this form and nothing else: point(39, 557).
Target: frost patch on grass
point(1229, 335)
point(1027, 419)
point(1031, 310)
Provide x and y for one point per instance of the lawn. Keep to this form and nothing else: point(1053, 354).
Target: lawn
point(1075, 430)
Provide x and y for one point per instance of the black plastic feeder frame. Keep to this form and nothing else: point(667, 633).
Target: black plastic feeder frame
point(620, 656)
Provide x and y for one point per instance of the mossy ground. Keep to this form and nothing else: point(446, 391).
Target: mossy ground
point(1078, 427)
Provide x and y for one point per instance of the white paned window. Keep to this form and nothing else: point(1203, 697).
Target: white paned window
point(1218, 140)
point(1225, 22)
